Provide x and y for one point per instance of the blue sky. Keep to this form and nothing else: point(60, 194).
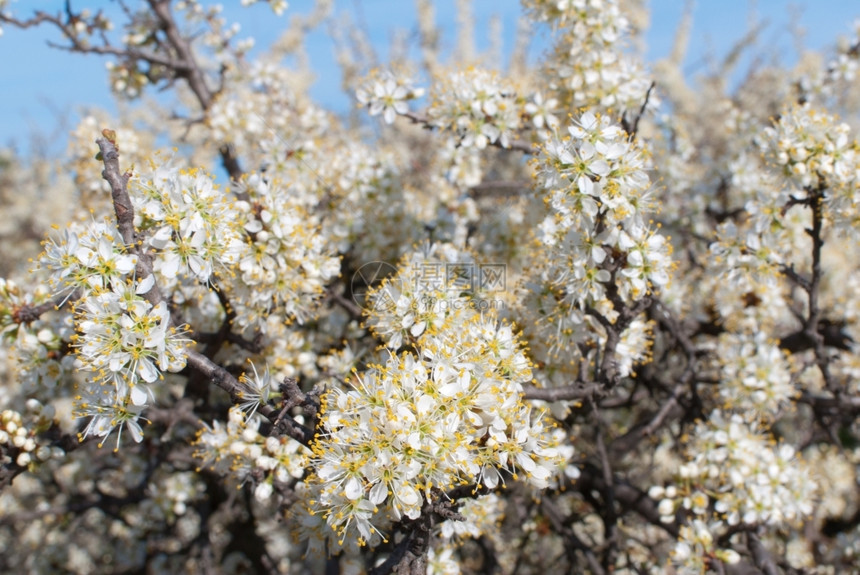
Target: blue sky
point(43, 90)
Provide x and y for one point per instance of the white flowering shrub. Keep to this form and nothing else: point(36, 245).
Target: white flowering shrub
point(569, 314)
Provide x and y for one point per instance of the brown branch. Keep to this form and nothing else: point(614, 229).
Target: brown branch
point(353, 309)
point(633, 129)
point(627, 442)
point(295, 397)
point(68, 442)
point(28, 314)
point(574, 543)
point(254, 345)
point(118, 188)
point(608, 368)
point(627, 495)
point(125, 52)
point(664, 412)
point(844, 404)
point(224, 331)
point(193, 74)
point(607, 375)
point(125, 211)
point(811, 327)
point(410, 555)
point(568, 393)
point(811, 333)
point(761, 555)
point(76, 45)
point(607, 513)
point(665, 316)
point(794, 276)
point(833, 333)
point(103, 502)
point(282, 423)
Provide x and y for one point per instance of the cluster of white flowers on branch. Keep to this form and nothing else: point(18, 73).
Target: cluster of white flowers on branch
point(448, 415)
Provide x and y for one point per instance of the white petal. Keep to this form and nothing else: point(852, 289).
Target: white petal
point(138, 395)
point(352, 489)
point(134, 428)
point(161, 237)
point(389, 115)
point(378, 493)
point(145, 285)
point(147, 370)
point(408, 495)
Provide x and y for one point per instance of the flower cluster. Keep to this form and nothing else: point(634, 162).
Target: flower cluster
point(750, 263)
point(839, 79)
point(448, 414)
point(737, 472)
point(36, 346)
point(591, 69)
point(814, 151)
point(480, 517)
point(88, 180)
point(477, 107)
point(595, 238)
point(387, 93)
point(238, 448)
point(191, 223)
point(593, 171)
point(12, 300)
point(440, 561)
point(430, 284)
point(696, 549)
point(260, 108)
point(286, 264)
point(755, 376)
point(126, 79)
point(735, 476)
point(602, 24)
point(19, 440)
point(122, 338)
point(93, 258)
point(542, 112)
point(172, 493)
point(745, 254)
point(312, 165)
point(126, 340)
